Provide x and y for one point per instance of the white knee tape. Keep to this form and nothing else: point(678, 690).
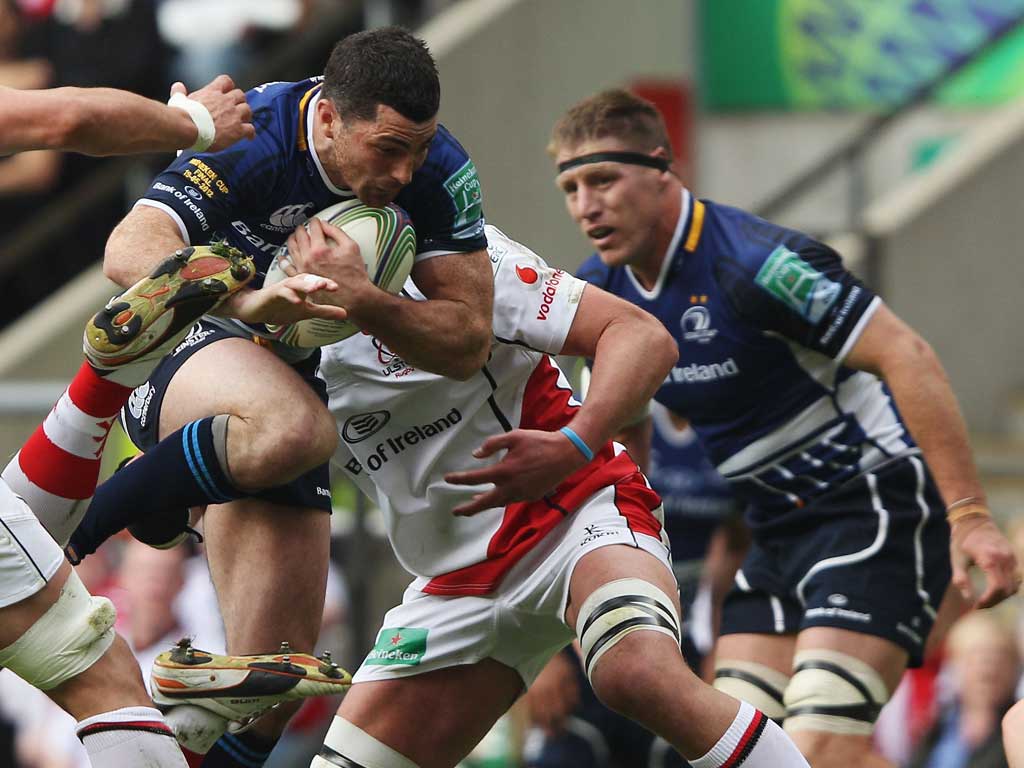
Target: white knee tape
point(66, 640)
point(618, 608)
point(753, 683)
point(833, 692)
point(349, 746)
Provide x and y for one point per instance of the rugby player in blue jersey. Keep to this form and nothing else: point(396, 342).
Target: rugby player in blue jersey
point(242, 426)
point(831, 418)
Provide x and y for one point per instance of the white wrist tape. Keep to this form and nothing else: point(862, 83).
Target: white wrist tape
point(200, 116)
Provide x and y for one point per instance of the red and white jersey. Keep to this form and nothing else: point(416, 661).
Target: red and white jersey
point(403, 429)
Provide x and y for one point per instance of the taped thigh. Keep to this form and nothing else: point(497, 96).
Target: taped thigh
point(349, 746)
point(70, 637)
point(833, 692)
point(754, 683)
point(618, 608)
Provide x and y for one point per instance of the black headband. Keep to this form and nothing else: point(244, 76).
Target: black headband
point(632, 158)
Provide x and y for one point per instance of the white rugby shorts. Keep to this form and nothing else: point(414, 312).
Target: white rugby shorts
point(521, 624)
point(29, 557)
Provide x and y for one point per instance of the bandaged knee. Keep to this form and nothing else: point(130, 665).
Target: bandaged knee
point(349, 746)
point(70, 637)
point(619, 608)
point(756, 684)
point(833, 692)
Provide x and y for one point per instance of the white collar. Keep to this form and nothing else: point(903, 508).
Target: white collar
point(666, 261)
point(310, 113)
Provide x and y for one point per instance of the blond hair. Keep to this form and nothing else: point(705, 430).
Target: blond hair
point(614, 113)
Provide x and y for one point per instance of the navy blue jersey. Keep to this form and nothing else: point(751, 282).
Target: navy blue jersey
point(256, 192)
point(695, 497)
point(764, 317)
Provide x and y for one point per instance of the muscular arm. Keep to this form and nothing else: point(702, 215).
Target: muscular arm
point(619, 337)
point(105, 121)
point(892, 350)
point(451, 333)
point(144, 237)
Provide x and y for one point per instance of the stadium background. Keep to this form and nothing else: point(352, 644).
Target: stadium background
point(894, 128)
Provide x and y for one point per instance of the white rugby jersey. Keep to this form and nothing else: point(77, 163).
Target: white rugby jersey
point(403, 429)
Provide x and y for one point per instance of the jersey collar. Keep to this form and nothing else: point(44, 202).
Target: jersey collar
point(310, 113)
point(669, 257)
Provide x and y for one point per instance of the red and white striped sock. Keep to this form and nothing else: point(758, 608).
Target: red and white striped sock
point(752, 741)
point(130, 736)
point(57, 468)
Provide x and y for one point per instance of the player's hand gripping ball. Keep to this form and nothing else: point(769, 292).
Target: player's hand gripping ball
point(387, 242)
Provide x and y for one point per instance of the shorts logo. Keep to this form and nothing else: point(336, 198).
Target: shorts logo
point(797, 284)
point(363, 425)
point(139, 400)
point(594, 532)
point(196, 335)
point(398, 645)
point(838, 600)
point(527, 275)
point(696, 323)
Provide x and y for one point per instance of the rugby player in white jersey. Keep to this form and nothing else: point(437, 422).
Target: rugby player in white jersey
point(523, 524)
point(53, 633)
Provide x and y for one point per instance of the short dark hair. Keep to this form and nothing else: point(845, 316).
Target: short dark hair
point(386, 66)
point(614, 113)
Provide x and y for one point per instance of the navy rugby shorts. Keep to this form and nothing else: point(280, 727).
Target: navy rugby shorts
point(141, 416)
point(872, 556)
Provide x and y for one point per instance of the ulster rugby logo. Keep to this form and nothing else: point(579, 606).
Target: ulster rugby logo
point(363, 425)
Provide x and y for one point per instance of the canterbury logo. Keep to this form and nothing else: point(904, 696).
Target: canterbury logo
point(290, 216)
point(363, 425)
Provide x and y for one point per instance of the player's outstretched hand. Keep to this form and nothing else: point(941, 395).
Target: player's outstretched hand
point(285, 302)
point(535, 463)
point(232, 117)
point(978, 541)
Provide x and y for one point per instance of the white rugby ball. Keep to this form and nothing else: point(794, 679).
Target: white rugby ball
point(387, 242)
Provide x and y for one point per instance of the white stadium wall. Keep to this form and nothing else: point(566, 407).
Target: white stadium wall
point(506, 83)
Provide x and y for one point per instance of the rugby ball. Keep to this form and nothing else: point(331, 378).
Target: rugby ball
point(387, 242)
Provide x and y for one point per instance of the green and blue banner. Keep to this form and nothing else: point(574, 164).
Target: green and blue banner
point(855, 54)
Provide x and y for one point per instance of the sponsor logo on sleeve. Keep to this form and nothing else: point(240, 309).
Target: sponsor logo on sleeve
point(463, 187)
point(547, 295)
point(399, 645)
point(797, 284)
point(527, 275)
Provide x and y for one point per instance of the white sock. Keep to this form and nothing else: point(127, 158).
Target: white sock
point(196, 729)
point(133, 736)
point(752, 741)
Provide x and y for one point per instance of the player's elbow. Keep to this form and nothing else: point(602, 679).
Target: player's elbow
point(663, 348)
point(475, 353)
point(909, 351)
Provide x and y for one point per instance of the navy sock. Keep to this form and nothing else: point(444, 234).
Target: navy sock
point(243, 750)
point(180, 471)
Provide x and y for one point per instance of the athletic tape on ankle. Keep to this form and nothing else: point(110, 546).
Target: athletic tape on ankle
point(200, 116)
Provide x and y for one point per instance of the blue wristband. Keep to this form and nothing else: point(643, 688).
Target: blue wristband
point(578, 442)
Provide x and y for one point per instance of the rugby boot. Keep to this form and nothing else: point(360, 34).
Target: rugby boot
point(241, 688)
point(125, 339)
